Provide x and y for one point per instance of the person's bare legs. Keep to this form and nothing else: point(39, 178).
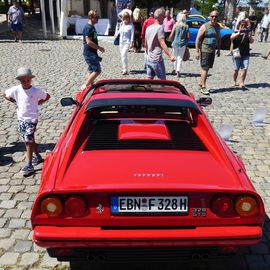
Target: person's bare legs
point(90, 78)
point(235, 75)
point(204, 73)
point(19, 36)
point(243, 76)
point(29, 151)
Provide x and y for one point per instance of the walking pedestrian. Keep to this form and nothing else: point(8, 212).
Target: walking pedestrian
point(154, 45)
point(208, 43)
point(90, 48)
point(180, 32)
point(137, 22)
point(146, 24)
point(241, 15)
point(16, 18)
point(241, 40)
point(168, 26)
point(265, 25)
point(27, 98)
point(126, 39)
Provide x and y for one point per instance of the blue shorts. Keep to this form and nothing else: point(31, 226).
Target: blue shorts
point(92, 62)
point(240, 63)
point(155, 69)
point(27, 130)
point(16, 27)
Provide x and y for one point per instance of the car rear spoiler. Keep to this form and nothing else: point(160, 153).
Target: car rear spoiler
point(105, 102)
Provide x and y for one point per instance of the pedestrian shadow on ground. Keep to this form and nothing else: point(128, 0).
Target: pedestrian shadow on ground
point(24, 41)
point(258, 85)
point(255, 54)
point(186, 75)
point(14, 147)
point(141, 71)
point(238, 88)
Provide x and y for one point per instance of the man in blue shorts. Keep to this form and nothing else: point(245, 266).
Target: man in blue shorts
point(90, 48)
point(154, 45)
point(16, 16)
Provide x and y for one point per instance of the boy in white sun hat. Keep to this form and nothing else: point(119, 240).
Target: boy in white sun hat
point(27, 98)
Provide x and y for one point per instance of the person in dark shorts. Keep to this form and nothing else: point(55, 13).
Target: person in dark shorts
point(27, 98)
point(90, 48)
point(208, 43)
point(16, 16)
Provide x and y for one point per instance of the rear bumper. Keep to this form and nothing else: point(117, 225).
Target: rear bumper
point(85, 237)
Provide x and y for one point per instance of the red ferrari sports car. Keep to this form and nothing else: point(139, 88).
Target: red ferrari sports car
point(139, 173)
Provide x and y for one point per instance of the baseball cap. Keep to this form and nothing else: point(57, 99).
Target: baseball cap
point(24, 72)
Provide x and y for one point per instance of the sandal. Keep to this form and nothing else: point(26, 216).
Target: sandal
point(205, 91)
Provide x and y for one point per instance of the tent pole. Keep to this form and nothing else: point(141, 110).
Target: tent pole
point(43, 15)
point(51, 15)
point(58, 13)
point(63, 22)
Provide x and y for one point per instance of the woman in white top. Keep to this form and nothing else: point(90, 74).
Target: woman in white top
point(126, 32)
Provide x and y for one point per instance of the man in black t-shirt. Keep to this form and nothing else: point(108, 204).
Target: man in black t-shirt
point(90, 48)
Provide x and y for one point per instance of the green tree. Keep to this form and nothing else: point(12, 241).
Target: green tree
point(205, 6)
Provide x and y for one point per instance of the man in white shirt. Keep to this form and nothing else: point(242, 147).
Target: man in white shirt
point(265, 23)
point(16, 17)
point(241, 15)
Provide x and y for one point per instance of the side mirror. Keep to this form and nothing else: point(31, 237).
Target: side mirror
point(68, 101)
point(204, 101)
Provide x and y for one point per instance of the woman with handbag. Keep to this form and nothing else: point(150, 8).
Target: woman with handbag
point(241, 40)
point(126, 39)
point(180, 36)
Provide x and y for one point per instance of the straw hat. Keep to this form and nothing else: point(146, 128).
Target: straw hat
point(24, 72)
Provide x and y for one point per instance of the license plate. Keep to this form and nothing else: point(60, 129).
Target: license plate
point(149, 205)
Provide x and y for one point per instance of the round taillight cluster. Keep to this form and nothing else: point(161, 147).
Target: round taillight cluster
point(72, 206)
point(75, 206)
point(225, 205)
point(246, 206)
point(51, 206)
point(222, 205)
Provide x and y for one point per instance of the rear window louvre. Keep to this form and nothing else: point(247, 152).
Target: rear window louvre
point(104, 136)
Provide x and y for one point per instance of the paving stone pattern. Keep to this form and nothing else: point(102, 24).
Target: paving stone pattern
point(60, 69)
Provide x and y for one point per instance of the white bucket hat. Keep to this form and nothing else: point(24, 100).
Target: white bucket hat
point(24, 72)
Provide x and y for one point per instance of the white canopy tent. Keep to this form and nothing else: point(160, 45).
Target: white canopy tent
point(61, 14)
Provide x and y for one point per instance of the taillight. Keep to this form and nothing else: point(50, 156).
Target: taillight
point(51, 206)
point(246, 206)
point(222, 205)
point(75, 206)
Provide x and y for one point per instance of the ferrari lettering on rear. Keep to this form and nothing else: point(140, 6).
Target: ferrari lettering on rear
point(155, 204)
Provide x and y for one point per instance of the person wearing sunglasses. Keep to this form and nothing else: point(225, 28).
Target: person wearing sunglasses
point(27, 98)
point(90, 48)
point(241, 40)
point(208, 43)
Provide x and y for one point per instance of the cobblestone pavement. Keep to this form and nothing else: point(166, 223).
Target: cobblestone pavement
point(60, 69)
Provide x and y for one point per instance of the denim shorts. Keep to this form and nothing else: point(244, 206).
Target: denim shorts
point(155, 68)
point(27, 130)
point(240, 63)
point(16, 27)
point(92, 62)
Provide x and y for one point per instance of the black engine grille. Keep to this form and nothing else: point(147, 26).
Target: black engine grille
point(104, 136)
